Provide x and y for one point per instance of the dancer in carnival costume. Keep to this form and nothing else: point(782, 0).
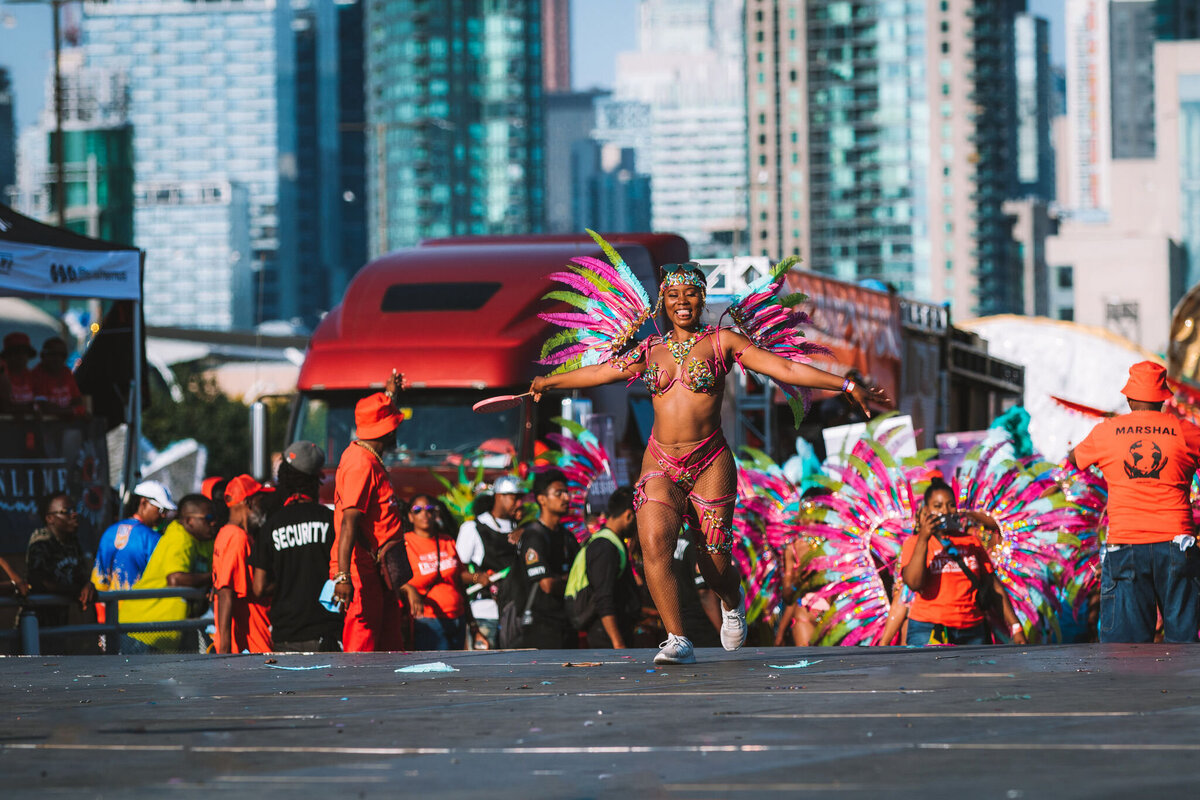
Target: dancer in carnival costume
point(687, 465)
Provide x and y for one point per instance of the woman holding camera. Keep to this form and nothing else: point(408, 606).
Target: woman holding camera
point(950, 572)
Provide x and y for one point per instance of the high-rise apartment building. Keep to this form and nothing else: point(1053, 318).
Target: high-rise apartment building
point(206, 104)
point(1177, 19)
point(454, 119)
point(1089, 109)
point(8, 135)
point(556, 45)
point(884, 141)
point(329, 202)
point(1036, 103)
point(570, 118)
point(608, 193)
point(98, 164)
point(988, 277)
point(1131, 71)
point(688, 75)
point(838, 138)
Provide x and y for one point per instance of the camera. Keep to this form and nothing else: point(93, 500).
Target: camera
point(948, 524)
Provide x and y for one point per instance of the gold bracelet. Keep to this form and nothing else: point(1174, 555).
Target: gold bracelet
point(341, 577)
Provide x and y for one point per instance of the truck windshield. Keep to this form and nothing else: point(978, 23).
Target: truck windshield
point(442, 429)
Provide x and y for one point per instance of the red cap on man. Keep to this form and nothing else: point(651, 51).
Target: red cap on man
point(241, 488)
point(1148, 383)
point(375, 416)
point(209, 484)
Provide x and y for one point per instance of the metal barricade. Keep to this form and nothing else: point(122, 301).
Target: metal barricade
point(30, 632)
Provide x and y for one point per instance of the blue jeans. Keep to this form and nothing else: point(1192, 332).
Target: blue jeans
point(430, 633)
point(923, 633)
point(1137, 580)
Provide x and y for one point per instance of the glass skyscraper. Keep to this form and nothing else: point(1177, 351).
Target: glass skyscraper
point(329, 203)
point(205, 109)
point(454, 119)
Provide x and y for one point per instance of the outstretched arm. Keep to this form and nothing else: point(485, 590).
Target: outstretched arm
point(582, 378)
point(785, 371)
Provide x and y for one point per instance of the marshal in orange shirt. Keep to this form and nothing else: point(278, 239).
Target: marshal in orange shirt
point(363, 483)
point(251, 625)
point(1148, 459)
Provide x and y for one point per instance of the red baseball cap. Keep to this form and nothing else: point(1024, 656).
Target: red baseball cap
point(209, 484)
point(1148, 383)
point(375, 416)
point(241, 488)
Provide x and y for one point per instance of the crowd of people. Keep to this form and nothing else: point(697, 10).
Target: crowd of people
point(377, 572)
point(699, 549)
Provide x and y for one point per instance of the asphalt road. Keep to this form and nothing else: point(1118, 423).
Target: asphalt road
point(979, 722)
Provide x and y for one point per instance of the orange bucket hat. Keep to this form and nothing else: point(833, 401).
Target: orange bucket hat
point(375, 416)
point(1148, 383)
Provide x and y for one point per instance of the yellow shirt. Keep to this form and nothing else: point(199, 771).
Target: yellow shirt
point(177, 551)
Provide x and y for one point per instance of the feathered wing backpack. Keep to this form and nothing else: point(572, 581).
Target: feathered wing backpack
point(773, 323)
point(612, 305)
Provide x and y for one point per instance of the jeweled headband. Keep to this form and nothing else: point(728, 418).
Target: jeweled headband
point(682, 275)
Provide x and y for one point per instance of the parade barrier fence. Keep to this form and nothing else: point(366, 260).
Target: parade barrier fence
point(30, 632)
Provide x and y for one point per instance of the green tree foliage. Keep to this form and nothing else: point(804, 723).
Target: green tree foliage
point(219, 422)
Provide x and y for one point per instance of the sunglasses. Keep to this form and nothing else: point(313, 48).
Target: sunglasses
point(419, 509)
point(209, 518)
point(70, 513)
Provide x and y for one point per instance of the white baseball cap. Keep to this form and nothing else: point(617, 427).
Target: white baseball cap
point(507, 484)
point(156, 493)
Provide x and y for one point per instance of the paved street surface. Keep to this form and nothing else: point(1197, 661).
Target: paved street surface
point(988, 722)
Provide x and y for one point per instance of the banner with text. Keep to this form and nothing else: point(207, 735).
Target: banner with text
point(38, 457)
point(861, 326)
point(36, 270)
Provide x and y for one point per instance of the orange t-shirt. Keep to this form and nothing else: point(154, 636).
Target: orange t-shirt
point(436, 567)
point(60, 390)
point(251, 624)
point(948, 596)
point(363, 483)
point(1148, 459)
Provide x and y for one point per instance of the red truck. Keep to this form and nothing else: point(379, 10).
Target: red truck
point(458, 317)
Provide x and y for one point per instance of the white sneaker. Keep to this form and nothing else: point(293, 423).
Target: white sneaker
point(733, 623)
point(675, 650)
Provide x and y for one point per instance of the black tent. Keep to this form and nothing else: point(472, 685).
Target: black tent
point(40, 261)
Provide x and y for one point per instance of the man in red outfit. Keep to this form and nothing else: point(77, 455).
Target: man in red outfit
point(242, 618)
point(366, 515)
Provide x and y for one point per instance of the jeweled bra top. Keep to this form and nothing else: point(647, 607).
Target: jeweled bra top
point(698, 375)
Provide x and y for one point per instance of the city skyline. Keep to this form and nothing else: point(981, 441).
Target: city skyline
point(593, 65)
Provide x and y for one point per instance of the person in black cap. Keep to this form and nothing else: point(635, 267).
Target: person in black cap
point(290, 557)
